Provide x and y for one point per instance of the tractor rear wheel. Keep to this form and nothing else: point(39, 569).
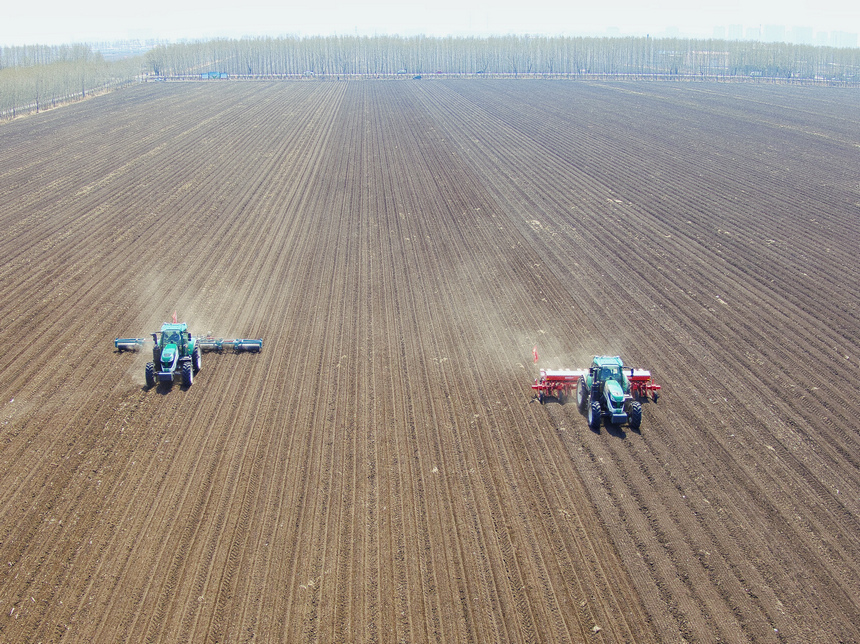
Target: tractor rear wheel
point(594, 414)
point(634, 415)
point(150, 374)
point(187, 374)
point(195, 359)
point(581, 395)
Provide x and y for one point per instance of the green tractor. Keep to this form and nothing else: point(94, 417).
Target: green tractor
point(605, 392)
point(175, 353)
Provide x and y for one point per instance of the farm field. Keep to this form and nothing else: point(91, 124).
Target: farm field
point(380, 472)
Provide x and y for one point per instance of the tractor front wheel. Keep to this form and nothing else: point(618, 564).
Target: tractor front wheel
point(594, 414)
point(634, 416)
point(187, 374)
point(150, 374)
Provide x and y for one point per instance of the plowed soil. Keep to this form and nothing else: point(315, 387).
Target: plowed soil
point(380, 472)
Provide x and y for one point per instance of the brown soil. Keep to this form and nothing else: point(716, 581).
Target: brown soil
point(380, 472)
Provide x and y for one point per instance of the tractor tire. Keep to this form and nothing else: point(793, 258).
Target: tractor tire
point(634, 416)
point(150, 374)
point(195, 359)
point(594, 415)
point(187, 374)
point(581, 395)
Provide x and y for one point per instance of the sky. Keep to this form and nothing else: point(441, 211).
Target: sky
point(52, 22)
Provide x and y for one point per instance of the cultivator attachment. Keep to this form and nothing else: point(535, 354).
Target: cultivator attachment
point(206, 343)
point(129, 344)
point(209, 343)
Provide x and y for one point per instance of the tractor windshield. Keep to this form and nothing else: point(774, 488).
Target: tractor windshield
point(170, 337)
point(610, 373)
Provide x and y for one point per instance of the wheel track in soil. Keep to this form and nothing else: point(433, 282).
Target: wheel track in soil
point(306, 582)
point(210, 363)
point(340, 524)
point(486, 316)
point(451, 578)
point(220, 611)
point(306, 279)
point(457, 580)
point(380, 255)
point(265, 541)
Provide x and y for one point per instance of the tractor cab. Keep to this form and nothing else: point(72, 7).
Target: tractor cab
point(174, 354)
point(173, 334)
point(606, 369)
point(609, 388)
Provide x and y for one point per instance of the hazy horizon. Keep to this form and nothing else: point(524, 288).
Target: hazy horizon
point(94, 21)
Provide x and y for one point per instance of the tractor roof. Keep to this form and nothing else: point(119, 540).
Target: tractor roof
point(607, 361)
point(174, 326)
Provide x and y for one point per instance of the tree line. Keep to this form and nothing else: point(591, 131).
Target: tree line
point(31, 55)
point(34, 78)
point(350, 55)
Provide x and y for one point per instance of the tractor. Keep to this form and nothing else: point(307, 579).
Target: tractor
point(609, 391)
point(175, 353)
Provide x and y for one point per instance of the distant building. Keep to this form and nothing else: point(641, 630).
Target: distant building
point(736, 32)
point(773, 33)
point(843, 39)
point(802, 35)
point(836, 39)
